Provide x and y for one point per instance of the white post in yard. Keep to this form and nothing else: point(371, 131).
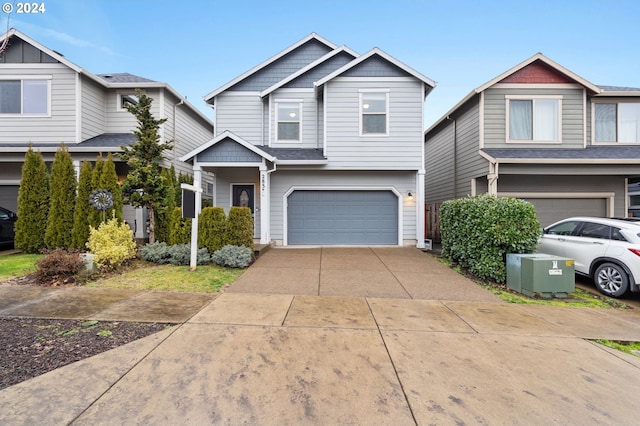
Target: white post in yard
point(197, 188)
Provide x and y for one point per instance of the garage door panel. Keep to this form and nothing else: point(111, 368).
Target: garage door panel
point(550, 210)
point(342, 217)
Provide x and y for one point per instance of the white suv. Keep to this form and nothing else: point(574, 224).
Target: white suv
point(606, 250)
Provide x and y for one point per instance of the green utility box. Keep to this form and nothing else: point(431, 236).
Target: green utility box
point(540, 274)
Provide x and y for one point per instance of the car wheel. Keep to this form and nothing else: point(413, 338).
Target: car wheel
point(611, 280)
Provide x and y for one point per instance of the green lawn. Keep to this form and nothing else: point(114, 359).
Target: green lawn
point(206, 278)
point(17, 265)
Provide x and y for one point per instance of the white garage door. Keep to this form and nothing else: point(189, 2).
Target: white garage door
point(342, 218)
point(550, 210)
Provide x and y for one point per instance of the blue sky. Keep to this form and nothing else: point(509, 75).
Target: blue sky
point(198, 45)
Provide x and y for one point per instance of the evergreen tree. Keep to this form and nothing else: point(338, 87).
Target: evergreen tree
point(82, 210)
point(95, 216)
point(109, 181)
point(144, 187)
point(164, 210)
point(33, 204)
point(62, 201)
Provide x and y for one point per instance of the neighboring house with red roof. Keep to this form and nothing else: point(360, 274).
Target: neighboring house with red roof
point(46, 100)
point(542, 133)
point(324, 145)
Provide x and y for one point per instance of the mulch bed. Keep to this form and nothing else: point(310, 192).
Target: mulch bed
point(31, 347)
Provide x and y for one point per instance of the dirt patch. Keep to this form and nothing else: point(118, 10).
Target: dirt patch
point(31, 347)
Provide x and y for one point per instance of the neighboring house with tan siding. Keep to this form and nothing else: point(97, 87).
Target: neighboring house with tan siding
point(542, 133)
point(46, 100)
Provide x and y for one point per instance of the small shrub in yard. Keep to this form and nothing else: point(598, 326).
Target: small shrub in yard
point(58, 266)
point(111, 243)
point(478, 232)
point(158, 252)
point(233, 256)
point(179, 229)
point(239, 230)
point(180, 254)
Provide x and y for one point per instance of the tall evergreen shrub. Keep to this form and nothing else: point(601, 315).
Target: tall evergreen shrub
point(180, 232)
point(239, 230)
point(478, 232)
point(33, 204)
point(63, 199)
point(164, 210)
point(109, 181)
point(82, 210)
point(95, 216)
point(211, 228)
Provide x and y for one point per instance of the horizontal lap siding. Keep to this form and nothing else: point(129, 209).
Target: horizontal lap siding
point(439, 165)
point(241, 114)
point(122, 121)
point(572, 117)
point(61, 125)
point(470, 163)
point(93, 109)
point(346, 149)
point(283, 181)
point(310, 133)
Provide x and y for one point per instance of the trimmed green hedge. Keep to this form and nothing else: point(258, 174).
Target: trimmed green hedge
point(477, 232)
point(239, 227)
point(211, 228)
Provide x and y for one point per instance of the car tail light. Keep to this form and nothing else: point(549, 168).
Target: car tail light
point(635, 251)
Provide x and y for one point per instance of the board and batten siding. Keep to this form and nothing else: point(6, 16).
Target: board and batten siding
point(93, 109)
point(240, 113)
point(60, 126)
point(401, 149)
point(495, 124)
point(309, 124)
point(283, 180)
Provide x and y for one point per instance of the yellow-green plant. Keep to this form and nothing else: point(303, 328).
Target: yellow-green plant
point(111, 243)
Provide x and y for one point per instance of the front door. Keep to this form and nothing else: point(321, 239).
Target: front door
point(243, 196)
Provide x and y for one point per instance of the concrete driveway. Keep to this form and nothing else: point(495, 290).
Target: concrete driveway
point(301, 339)
point(377, 272)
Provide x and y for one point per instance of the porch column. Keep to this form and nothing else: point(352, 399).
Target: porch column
point(420, 208)
point(265, 205)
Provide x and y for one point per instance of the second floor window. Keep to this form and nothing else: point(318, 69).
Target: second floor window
point(288, 121)
point(535, 120)
point(617, 122)
point(373, 108)
point(29, 97)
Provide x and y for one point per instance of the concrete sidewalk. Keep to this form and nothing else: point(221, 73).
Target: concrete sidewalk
point(315, 356)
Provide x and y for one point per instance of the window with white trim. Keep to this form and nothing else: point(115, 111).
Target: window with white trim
point(289, 121)
point(617, 122)
point(374, 108)
point(24, 97)
point(534, 119)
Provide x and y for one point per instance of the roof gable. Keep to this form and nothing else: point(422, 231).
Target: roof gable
point(19, 51)
point(225, 138)
point(374, 58)
point(280, 66)
point(537, 72)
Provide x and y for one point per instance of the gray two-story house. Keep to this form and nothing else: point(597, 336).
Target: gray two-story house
point(542, 133)
point(46, 100)
point(324, 145)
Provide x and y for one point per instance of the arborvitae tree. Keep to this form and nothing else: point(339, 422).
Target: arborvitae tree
point(239, 231)
point(211, 228)
point(182, 179)
point(62, 202)
point(95, 216)
point(109, 181)
point(144, 187)
point(180, 232)
point(164, 210)
point(33, 204)
point(80, 234)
